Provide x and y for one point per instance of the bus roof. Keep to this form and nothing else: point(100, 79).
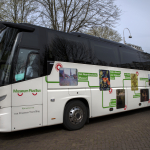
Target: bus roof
point(30, 28)
point(22, 27)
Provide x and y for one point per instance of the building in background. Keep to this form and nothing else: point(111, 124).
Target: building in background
point(135, 46)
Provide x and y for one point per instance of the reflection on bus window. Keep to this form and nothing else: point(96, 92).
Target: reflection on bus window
point(7, 39)
point(32, 66)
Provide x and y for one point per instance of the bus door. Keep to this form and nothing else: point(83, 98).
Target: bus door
point(27, 91)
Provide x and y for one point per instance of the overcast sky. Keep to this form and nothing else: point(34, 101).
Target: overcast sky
point(136, 17)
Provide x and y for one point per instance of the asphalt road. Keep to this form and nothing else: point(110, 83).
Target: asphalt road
point(124, 131)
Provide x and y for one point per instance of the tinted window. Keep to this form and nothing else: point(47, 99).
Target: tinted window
point(105, 54)
point(145, 60)
point(7, 41)
point(78, 52)
point(32, 66)
point(129, 58)
point(21, 64)
point(68, 48)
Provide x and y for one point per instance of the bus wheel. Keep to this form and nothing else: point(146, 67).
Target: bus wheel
point(75, 115)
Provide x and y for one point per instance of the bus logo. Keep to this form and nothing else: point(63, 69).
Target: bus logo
point(20, 94)
point(125, 107)
point(137, 73)
point(110, 91)
point(58, 65)
point(34, 94)
point(26, 91)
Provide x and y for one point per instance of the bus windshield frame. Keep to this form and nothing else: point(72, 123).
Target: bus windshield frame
point(7, 40)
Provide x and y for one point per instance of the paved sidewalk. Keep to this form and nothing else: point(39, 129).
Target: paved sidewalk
point(124, 131)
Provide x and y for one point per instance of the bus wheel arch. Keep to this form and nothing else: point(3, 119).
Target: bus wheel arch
point(76, 113)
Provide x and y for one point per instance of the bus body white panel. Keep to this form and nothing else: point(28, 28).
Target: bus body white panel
point(57, 100)
point(41, 101)
point(58, 95)
point(25, 117)
point(30, 92)
point(54, 76)
point(5, 119)
point(76, 92)
point(5, 96)
point(100, 103)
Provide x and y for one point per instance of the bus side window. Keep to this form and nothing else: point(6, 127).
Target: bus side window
point(68, 49)
point(105, 54)
point(129, 58)
point(32, 70)
point(145, 60)
point(20, 68)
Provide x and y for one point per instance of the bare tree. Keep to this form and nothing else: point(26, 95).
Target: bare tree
point(106, 33)
point(69, 51)
point(74, 15)
point(1, 5)
point(18, 11)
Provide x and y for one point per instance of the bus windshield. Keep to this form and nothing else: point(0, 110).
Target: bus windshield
point(7, 39)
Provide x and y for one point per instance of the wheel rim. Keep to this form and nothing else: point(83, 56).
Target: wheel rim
point(76, 115)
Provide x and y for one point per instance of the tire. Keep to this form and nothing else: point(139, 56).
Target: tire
point(75, 115)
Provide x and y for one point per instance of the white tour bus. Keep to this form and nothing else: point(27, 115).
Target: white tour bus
point(49, 77)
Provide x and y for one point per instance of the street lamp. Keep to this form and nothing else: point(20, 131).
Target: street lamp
point(124, 37)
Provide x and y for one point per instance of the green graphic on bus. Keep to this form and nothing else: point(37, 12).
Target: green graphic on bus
point(83, 76)
point(114, 74)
